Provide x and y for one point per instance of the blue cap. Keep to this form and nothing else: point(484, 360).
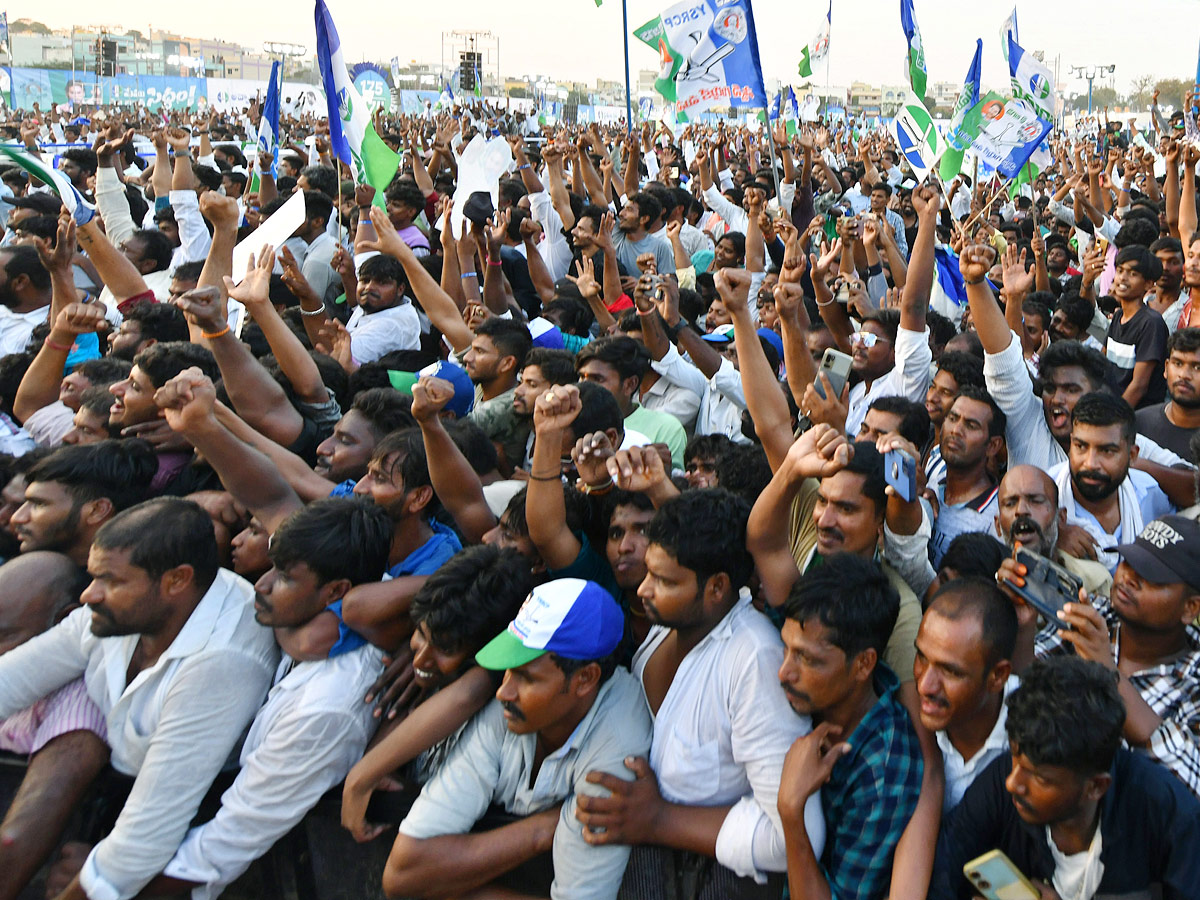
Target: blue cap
point(464, 391)
point(546, 334)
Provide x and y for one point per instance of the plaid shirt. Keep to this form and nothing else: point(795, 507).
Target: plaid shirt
point(1172, 690)
point(870, 797)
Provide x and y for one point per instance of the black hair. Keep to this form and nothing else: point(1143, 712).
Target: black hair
point(999, 420)
point(512, 190)
point(852, 598)
point(156, 246)
point(630, 358)
point(1038, 304)
point(45, 227)
point(593, 212)
point(887, 319)
point(556, 366)
point(940, 327)
point(163, 361)
point(208, 176)
point(882, 186)
point(1103, 409)
point(599, 411)
point(382, 267)
point(743, 469)
point(737, 239)
point(607, 664)
point(707, 446)
point(404, 452)
point(1077, 311)
point(385, 409)
point(117, 470)
point(1136, 230)
point(318, 205)
point(472, 597)
point(1168, 244)
point(189, 271)
point(1185, 340)
point(964, 368)
point(340, 537)
point(322, 179)
point(914, 418)
point(868, 462)
point(1067, 712)
point(98, 400)
point(162, 534)
point(104, 371)
point(238, 178)
point(286, 185)
point(705, 531)
point(234, 152)
point(510, 337)
point(974, 553)
point(159, 322)
point(24, 260)
point(474, 444)
point(1061, 354)
point(1144, 262)
point(406, 193)
point(977, 595)
point(648, 206)
point(84, 157)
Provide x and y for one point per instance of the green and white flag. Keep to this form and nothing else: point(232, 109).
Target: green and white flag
point(918, 76)
point(654, 35)
point(917, 135)
point(81, 211)
point(819, 48)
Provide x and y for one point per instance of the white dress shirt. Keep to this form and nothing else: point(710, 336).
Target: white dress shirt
point(15, 328)
point(909, 377)
point(374, 334)
point(194, 239)
point(722, 732)
point(312, 729)
point(961, 772)
point(173, 727)
point(721, 397)
point(556, 253)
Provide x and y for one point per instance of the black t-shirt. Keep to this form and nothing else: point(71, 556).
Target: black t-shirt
point(1142, 339)
point(1152, 421)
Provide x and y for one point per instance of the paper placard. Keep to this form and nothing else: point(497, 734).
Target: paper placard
point(274, 231)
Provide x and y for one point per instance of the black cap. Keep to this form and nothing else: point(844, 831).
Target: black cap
point(39, 201)
point(1166, 552)
point(478, 208)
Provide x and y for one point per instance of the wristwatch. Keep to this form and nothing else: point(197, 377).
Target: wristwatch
point(673, 330)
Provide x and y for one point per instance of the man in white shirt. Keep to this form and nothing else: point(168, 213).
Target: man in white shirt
point(722, 727)
point(25, 291)
point(384, 319)
point(314, 725)
point(167, 646)
point(963, 673)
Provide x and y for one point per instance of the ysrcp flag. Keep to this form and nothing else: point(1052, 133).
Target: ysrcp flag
point(719, 46)
point(351, 131)
point(654, 35)
point(1004, 132)
point(917, 135)
point(918, 76)
point(1008, 30)
point(819, 48)
point(268, 123)
point(79, 208)
point(1031, 80)
point(956, 142)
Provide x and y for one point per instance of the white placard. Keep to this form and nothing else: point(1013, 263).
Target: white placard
point(274, 231)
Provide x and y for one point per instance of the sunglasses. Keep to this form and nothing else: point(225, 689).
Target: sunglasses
point(867, 338)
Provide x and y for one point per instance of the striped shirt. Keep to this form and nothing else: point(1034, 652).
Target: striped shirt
point(67, 709)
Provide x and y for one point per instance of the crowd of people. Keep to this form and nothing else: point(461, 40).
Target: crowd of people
point(658, 520)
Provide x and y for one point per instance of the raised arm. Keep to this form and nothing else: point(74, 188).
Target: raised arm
point(188, 402)
point(919, 280)
point(545, 505)
point(990, 324)
point(1187, 202)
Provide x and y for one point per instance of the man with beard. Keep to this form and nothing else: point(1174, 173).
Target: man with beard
point(955, 370)
point(722, 726)
point(1145, 633)
point(631, 237)
point(564, 712)
point(72, 492)
point(385, 319)
point(972, 439)
point(25, 292)
point(145, 323)
point(543, 369)
point(1096, 486)
point(493, 362)
point(1168, 297)
point(964, 673)
point(167, 646)
point(1172, 424)
point(1029, 515)
point(1069, 806)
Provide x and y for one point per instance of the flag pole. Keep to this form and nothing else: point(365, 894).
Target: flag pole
point(628, 93)
point(771, 145)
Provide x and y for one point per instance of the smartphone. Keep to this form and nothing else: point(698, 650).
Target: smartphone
point(1048, 586)
point(830, 227)
point(900, 471)
point(1102, 243)
point(995, 877)
point(836, 366)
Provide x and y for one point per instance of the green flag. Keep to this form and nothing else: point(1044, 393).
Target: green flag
point(806, 63)
point(654, 35)
point(917, 74)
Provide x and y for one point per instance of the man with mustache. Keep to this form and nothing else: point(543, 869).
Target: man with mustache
point(963, 673)
point(1173, 423)
point(1029, 515)
point(1099, 490)
point(563, 710)
point(1068, 805)
point(385, 319)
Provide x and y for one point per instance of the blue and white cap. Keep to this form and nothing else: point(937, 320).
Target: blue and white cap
point(570, 617)
point(546, 334)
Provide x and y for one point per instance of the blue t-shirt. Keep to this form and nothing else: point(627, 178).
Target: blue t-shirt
point(428, 558)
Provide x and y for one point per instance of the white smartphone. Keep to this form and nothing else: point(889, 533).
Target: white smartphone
point(836, 366)
point(996, 877)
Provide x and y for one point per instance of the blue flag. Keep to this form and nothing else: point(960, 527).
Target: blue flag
point(775, 106)
point(918, 75)
point(792, 106)
point(268, 123)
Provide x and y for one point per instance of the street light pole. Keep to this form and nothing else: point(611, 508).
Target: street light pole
point(1089, 73)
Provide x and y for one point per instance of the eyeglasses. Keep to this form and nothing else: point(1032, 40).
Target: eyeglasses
point(867, 338)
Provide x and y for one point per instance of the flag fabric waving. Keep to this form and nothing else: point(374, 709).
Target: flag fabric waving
point(956, 142)
point(351, 131)
point(1004, 132)
point(1008, 29)
point(1031, 79)
point(819, 48)
point(654, 35)
point(267, 139)
point(918, 76)
point(917, 135)
point(79, 208)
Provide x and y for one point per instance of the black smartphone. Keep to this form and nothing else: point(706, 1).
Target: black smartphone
point(1048, 586)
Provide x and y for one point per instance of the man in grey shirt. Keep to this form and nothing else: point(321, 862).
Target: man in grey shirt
point(631, 237)
point(563, 710)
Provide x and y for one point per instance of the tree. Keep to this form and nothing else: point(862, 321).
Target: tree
point(1171, 91)
point(134, 33)
point(1101, 97)
point(29, 26)
point(1140, 91)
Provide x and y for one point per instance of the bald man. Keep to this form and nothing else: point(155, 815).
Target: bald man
point(1030, 514)
point(63, 734)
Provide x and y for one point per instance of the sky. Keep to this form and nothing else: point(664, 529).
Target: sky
point(576, 41)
